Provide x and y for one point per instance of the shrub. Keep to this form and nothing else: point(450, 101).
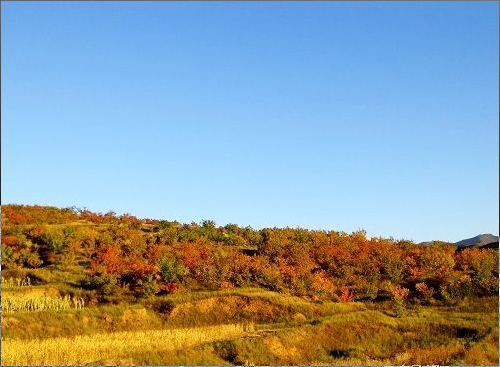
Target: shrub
point(104, 284)
point(425, 291)
point(163, 306)
point(146, 287)
point(456, 288)
point(172, 270)
point(346, 295)
point(398, 297)
point(226, 350)
point(29, 259)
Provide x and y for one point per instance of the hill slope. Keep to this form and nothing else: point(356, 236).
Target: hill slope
point(478, 241)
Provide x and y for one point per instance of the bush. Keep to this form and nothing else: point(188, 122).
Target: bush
point(172, 270)
point(163, 306)
point(398, 297)
point(146, 287)
point(425, 292)
point(29, 259)
point(456, 288)
point(226, 350)
point(104, 285)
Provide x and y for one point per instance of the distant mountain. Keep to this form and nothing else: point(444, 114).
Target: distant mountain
point(428, 243)
point(483, 241)
point(478, 241)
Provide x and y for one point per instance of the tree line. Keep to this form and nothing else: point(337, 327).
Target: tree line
point(124, 255)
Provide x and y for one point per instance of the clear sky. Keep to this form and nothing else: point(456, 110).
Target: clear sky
point(325, 115)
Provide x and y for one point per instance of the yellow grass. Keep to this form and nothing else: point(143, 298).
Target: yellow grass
point(109, 347)
point(30, 303)
point(10, 283)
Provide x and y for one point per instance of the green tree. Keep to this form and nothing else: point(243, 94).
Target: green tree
point(172, 270)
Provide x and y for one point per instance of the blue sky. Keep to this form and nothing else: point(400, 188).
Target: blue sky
point(326, 115)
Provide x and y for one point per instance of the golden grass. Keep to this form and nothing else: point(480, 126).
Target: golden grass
point(10, 283)
point(33, 302)
point(108, 347)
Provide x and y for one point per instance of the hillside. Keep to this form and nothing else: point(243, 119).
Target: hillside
point(235, 295)
point(479, 240)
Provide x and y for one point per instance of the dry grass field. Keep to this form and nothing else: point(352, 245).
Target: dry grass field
point(110, 347)
point(267, 328)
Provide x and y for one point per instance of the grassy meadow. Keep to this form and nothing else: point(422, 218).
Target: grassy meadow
point(250, 326)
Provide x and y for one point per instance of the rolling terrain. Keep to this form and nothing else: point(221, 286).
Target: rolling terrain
point(87, 288)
